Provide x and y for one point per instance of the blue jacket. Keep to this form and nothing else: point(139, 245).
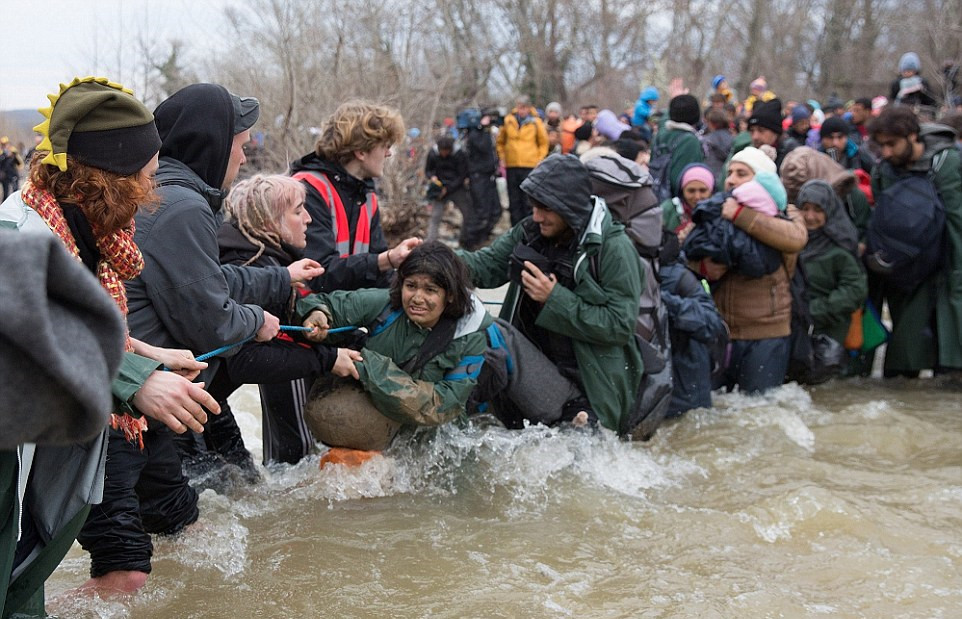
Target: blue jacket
point(719, 239)
point(695, 326)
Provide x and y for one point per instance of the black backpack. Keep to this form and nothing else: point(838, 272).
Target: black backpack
point(659, 166)
point(616, 178)
point(905, 237)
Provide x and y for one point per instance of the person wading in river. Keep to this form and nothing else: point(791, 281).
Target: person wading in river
point(93, 169)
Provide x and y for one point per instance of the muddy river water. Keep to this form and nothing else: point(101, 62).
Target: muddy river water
point(843, 500)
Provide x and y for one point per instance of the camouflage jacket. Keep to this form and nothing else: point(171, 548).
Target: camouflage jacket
point(438, 392)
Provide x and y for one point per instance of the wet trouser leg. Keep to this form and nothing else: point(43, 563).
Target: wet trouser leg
point(487, 205)
point(221, 442)
point(437, 213)
point(144, 492)
point(518, 204)
point(914, 343)
point(757, 365)
point(468, 237)
point(286, 437)
point(536, 390)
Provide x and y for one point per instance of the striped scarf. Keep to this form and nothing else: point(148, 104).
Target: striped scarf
point(120, 261)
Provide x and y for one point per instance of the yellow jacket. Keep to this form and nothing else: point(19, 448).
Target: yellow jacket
point(750, 102)
point(522, 145)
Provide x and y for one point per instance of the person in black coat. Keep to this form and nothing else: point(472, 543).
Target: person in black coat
point(482, 171)
point(266, 226)
point(910, 88)
point(345, 233)
point(446, 167)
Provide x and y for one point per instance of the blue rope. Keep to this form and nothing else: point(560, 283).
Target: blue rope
point(217, 351)
point(342, 329)
point(225, 348)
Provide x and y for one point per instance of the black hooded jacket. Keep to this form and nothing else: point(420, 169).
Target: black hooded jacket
point(354, 271)
point(184, 298)
point(196, 127)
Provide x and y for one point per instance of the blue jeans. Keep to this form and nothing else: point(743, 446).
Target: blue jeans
point(757, 365)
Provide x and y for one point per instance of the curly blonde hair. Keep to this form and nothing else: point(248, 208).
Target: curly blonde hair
point(256, 206)
point(108, 200)
point(358, 125)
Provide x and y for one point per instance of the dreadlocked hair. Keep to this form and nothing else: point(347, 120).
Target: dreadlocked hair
point(257, 205)
point(108, 200)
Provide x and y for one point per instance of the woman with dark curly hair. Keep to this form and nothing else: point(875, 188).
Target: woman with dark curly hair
point(424, 351)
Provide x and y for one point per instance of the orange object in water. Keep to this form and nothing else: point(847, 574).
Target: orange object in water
point(347, 457)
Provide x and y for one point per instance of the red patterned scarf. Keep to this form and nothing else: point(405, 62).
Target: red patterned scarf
point(120, 261)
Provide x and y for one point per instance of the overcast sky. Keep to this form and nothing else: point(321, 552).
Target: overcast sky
point(53, 41)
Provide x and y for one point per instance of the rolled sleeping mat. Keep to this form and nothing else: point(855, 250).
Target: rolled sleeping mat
point(341, 414)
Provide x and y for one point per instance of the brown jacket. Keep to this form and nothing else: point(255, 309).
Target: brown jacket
point(758, 308)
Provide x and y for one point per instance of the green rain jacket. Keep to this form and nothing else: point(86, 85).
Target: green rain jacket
point(836, 288)
point(911, 348)
point(437, 393)
point(598, 313)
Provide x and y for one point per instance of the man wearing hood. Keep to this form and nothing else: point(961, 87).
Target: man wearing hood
point(183, 298)
point(926, 322)
point(570, 310)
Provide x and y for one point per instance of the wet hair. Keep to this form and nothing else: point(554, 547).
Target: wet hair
point(108, 200)
point(358, 125)
point(899, 121)
point(442, 265)
point(256, 206)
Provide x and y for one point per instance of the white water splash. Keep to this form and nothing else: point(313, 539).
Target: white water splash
point(217, 540)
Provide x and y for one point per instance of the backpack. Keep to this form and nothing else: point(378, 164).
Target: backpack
point(905, 237)
point(659, 167)
point(633, 204)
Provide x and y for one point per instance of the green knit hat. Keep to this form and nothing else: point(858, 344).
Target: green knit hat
point(101, 124)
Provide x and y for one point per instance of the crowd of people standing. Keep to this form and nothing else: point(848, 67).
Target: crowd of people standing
point(650, 259)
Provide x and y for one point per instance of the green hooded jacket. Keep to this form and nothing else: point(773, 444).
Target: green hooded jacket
point(837, 285)
point(598, 313)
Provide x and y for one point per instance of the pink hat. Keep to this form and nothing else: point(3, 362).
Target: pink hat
point(697, 172)
point(753, 195)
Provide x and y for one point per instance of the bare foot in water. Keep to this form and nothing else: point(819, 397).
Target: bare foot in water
point(116, 583)
point(580, 420)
